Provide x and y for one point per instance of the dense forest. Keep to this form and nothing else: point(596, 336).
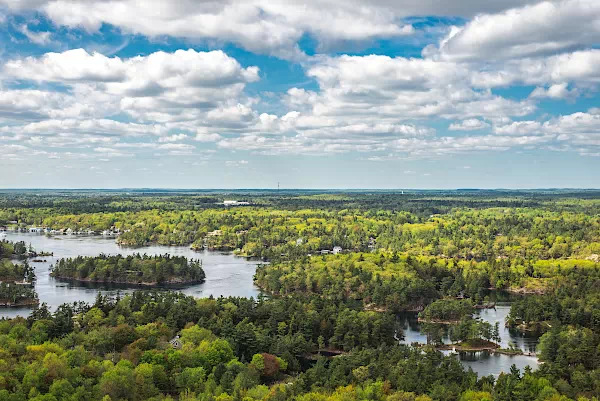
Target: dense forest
point(340, 265)
point(16, 279)
point(133, 269)
point(168, 346)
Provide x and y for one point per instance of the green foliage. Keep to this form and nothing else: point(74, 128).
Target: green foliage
point(416, 252)
point(448, 310)
point(132, 269)
point(16, 279)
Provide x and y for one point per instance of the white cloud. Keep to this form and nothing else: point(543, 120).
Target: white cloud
point(88, 126)
point(579, 67)
point(365, 104)
point(173, 138)
point(39, 38)
point(207, 137)
point(273, 26)
point(577, 129)
point(545, 28)
point(556, 91)
point(472, 124)
point(30, 104)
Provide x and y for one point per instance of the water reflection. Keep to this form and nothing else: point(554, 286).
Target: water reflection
point(226, 274)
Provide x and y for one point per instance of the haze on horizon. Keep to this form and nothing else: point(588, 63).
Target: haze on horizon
point(330, 94)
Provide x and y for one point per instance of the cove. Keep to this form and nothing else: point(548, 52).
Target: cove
point(482, 362)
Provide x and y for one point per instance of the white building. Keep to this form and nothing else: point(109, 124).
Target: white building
point(235, 203)
point(175, 342)
point(336, 250)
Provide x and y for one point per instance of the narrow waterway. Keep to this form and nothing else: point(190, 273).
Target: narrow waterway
point(226, 274)
point(483, 362)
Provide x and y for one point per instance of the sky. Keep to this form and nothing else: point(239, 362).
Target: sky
point(314, 94)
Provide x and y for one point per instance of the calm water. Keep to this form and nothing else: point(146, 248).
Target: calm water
point(483, 363)
point(226, 274)
point(229, 275)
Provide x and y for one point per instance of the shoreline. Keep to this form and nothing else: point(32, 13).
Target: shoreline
point(28, 302)
point(153, 284)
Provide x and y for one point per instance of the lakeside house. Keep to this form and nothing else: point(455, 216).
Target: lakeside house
point(335, 251)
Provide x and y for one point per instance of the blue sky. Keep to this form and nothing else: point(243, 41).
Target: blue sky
point(326, 94)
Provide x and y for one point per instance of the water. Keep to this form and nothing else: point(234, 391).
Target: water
point(483, 362)
point(229, 275)
point(226, 274)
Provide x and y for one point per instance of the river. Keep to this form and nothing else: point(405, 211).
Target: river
point(228, 275)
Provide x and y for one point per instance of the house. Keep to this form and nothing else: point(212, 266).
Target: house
point(36, 230)
point(215, 233)
point(175, 343)
point(235, 203)
point(325, 251)
point(299, 241)
point(69, 231)
point(336, 250)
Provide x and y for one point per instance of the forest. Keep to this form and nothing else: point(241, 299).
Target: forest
point(326, 327)
point(133, 269)
point(16, 278)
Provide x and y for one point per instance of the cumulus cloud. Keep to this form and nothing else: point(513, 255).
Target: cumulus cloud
point(577, 129)
point(556, 91)
point(545, 28)
point(371, 103)
point(579, 67)
point(198, 88)
point(400, 88)
point(472, 124)
point(261, 26)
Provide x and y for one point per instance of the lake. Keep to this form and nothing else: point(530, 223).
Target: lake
point(226, 274)
point(229, 275)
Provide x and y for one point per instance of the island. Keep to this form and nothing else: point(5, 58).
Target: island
point(446, 311)
point(137, 270)
point(16, 279)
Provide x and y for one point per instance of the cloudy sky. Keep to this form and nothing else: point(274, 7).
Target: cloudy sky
point(323, 94)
